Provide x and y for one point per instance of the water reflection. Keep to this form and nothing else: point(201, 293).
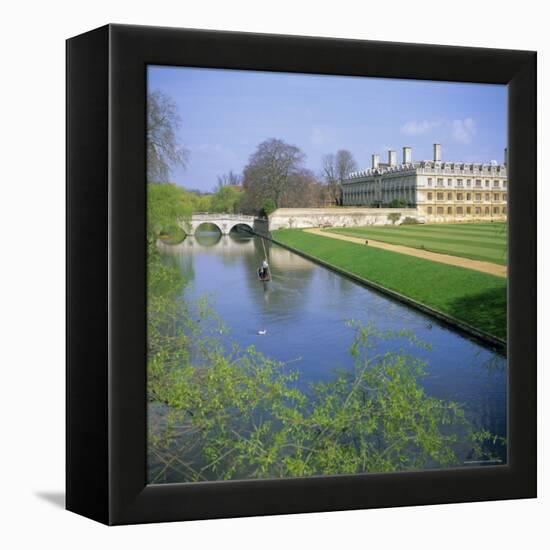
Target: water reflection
point(206, 238)
point(304, 310)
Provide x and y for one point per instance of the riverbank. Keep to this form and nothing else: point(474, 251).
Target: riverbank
point(475, 301)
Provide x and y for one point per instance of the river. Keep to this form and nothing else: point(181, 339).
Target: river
point(304, 310)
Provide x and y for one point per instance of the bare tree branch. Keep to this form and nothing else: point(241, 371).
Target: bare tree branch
point(163, 151)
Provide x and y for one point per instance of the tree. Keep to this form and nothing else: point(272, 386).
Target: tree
point(228, 179)
point(163, 150)
point(303, 191)
point(270, 172)
point(336, 168)
point(167, 206)
point(345, 163)
point(226, 199)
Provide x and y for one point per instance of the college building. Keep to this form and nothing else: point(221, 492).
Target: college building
point(441, 191)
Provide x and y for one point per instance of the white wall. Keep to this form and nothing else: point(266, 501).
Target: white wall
point(32, 299)
point(300, 218)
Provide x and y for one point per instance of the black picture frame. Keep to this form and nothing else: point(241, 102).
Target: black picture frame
point(106, 275)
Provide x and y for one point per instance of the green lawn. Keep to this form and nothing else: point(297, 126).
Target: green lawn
point(483, 241)
point(476, 298)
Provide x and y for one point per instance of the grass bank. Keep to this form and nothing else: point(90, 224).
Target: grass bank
point(486, 242)
point(475, 298)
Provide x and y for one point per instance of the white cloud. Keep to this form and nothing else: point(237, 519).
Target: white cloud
point(458, 130)
point(463, 130)
point(419, 127)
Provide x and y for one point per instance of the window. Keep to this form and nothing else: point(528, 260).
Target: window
point(495, 210)
point(440, 182)
point(430, 210)
point(440, 210)
point(504, 209)
point(478, 210)
point(459, 210)
point(468, 196)
point(487, 197)
point(459, 183)
point(440, 196)
point(429, 182)
point(449, 210)
point(449, 196)
point(450, 182)
point(430, 196)
point(469, 210)
point(468, 183)
point(459, 196)
point(487, 210)
point(478, 183)
point(504, 184)
point(504, 197)
point(496, 196)
point(478, 196)
point(487, 183)
point(495, 183)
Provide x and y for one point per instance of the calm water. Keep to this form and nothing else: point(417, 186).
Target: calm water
point(304, 310)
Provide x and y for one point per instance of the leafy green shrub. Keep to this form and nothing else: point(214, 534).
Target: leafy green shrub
point(409, 221)
point(394, 217)
point(269, 207)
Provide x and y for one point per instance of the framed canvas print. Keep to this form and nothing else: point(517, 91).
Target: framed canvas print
point(301, 274)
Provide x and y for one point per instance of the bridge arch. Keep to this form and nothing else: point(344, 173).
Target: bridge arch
point(197, 225)
point(241, 224)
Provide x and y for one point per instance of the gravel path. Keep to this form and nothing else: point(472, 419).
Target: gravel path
point(485, 267)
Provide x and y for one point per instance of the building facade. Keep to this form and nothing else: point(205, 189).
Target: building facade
point(441, 191)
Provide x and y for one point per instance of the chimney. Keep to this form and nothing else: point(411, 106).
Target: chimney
point(506, 156)
point(392, 158)
point(437, 152)
point(407, 155)
point(375, 160)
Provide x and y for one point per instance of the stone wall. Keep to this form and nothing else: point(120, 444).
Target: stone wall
point(300, 218)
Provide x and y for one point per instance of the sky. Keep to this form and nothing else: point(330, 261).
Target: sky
point(226, 114)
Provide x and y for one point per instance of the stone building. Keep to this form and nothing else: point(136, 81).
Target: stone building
point(441, 191)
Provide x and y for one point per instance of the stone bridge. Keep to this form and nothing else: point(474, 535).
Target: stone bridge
point(224, 222)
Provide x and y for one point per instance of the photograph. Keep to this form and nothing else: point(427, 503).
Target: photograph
point(274, 275)
point(326, 275)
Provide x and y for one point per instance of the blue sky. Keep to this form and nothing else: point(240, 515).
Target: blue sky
point(226, 114)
